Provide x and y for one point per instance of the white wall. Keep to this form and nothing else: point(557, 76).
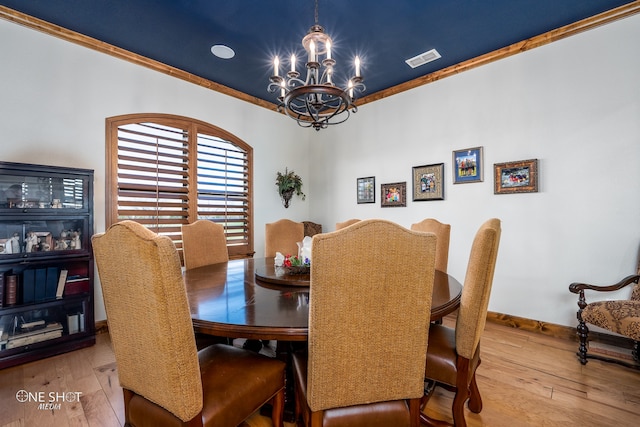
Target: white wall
point(574, 105)
point(55, 96)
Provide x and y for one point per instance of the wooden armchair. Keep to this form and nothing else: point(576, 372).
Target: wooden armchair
point(165, 380)
point(618, 316)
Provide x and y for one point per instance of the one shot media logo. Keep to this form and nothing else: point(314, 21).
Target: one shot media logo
point(52, 400)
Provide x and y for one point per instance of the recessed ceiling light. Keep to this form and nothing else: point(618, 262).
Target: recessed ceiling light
point(423, 58)
point(222, 51)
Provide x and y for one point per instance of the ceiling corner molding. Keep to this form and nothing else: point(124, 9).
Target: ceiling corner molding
point(89, 42)
point(523, 46)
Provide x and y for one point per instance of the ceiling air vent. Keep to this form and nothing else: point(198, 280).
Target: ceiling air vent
point(423, 58)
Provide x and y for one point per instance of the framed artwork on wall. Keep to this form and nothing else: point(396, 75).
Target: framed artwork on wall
point(467, 165)
point(428, 182)
point(393, 195)
point(516, 177)
point(366, 189)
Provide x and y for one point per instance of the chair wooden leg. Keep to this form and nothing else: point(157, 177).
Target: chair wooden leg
point(475, 400)
point(277, 411)
point(458, 408)
point(315, 419)
point(582, 330)
point(414, 412)
point(583, 335)
point(463, 366)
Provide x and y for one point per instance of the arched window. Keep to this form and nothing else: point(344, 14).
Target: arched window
point(164, 171)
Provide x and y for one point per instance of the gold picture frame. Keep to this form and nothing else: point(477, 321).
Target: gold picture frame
point(428, 182)
point(516, 177)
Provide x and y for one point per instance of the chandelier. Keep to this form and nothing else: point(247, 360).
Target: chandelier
point(316, 101)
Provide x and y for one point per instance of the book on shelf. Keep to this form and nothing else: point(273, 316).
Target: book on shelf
point(48, 332)
point(51, 284)
point(2, 274)
point(28, 286)
point(61, 282)
point(39, 288)
point(11, 289)
point(73, 323)
point(76, 278)
point(33, 324)
point(76, 284)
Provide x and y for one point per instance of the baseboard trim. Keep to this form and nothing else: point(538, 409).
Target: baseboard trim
point(102, 327)
point(558, 331)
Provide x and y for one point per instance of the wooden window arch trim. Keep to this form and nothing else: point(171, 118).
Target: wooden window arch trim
point(187, 209)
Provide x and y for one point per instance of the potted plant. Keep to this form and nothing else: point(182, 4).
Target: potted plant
point(289, 183)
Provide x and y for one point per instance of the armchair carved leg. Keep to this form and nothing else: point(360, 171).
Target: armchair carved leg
point(582, 330)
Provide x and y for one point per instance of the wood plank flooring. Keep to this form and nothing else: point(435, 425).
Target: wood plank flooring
point(526, 379)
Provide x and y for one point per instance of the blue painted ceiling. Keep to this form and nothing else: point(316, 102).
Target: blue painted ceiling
point(384, 33)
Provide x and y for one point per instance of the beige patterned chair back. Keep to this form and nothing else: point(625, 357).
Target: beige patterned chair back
point(282, 236)
point(149, 318)
point(203, 243)
point(443, 233)
point(344, 224)
point(370, 305)
point(474, 302)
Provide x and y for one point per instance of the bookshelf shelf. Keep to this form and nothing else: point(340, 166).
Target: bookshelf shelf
point(46, 262)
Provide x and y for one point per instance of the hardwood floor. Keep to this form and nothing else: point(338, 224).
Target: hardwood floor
point(526, 379)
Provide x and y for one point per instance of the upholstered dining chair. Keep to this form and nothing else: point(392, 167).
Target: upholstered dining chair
point(442, 232)
point(203, 243)
point(341, 225)
point(283, 236)
point(453, 354)
point(368, 327)
point(618, 316)
point(165, 380)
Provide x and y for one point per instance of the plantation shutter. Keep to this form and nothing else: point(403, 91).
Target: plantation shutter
point(223, 188)
point(172, 171)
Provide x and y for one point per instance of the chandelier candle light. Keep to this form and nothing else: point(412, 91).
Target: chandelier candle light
point(316, 102)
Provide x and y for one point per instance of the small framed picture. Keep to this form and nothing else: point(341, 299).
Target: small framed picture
point(516, 177)
point(366, 189)
point(393, 195)
point(428, 182)
point(467, 165)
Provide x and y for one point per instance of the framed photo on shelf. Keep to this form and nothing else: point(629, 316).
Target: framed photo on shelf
point(366, 189)
point(467, 165)
point(393, 195)
point(428, 182)
point(516, 177)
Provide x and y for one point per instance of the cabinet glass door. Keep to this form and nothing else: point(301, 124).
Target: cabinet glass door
point(29, 192)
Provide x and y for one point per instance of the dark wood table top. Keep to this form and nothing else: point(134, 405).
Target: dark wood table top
point(228, 300)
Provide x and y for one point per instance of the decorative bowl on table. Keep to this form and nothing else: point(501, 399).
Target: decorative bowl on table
point(298, 269)
point(296, 265)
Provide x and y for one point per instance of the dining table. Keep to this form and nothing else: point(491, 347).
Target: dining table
point(252, 298)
